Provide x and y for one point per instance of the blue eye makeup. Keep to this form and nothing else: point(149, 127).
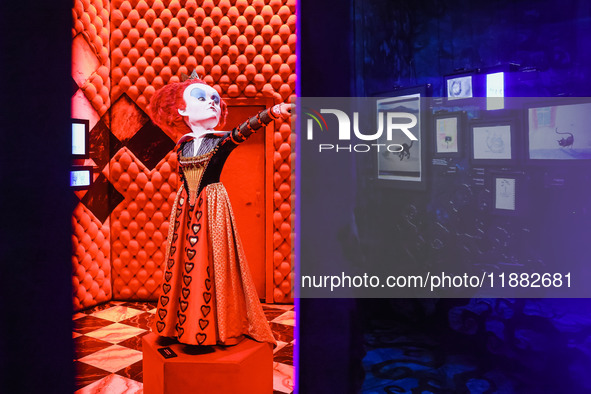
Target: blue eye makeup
point(201, 95)
point(198, 93)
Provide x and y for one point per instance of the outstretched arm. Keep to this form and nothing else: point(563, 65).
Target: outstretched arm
point(245, 130)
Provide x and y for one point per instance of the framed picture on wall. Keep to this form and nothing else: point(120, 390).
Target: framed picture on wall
point(508, 193)
point(402, 163)
point(493, 142)
point(447, 134)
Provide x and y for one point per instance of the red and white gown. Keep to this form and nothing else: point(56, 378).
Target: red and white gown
point(207, 295)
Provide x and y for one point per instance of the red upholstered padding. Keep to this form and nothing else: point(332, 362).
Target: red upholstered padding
point(91, 266)
point(282, 217)
point(243, 48)
point(139, 225)
point(91, 19)
point(91, 277)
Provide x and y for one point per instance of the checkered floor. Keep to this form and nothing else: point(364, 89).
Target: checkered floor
point(108, 346)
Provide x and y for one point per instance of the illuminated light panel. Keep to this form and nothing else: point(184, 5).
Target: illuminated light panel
point(495, 91)
point(78, 139)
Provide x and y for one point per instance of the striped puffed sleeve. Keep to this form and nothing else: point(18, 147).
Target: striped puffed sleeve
point(246, 129)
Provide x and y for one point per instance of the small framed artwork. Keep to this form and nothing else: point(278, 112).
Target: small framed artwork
point(404, 165)
point(493, 142)
point(81, 177)
point(80, 139)
point(508, 193)
point(448, 134)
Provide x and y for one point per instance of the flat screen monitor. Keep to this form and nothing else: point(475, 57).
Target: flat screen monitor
point(80, 138)
point(559, 133)
point(495, 90)
point(81, 177)
point(461, 86)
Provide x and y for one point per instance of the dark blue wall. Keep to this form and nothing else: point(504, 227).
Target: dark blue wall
point(403, 44)
point(361, 48)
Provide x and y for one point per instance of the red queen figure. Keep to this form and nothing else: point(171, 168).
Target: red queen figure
point(207, 293)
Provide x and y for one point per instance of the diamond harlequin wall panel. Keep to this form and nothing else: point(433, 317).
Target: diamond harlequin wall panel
point(91, 265)
point(91, 21)
point(242, 48)
point(139, 225)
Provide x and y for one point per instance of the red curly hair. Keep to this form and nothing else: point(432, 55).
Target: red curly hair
point(168, 100)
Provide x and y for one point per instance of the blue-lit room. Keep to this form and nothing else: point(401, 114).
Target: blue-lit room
point(526, 212)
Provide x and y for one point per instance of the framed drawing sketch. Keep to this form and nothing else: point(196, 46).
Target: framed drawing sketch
point(447, 134)
point(510, 193)
point(402, 164)
point(493, 142)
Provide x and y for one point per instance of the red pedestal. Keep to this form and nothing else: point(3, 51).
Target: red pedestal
point(244, 368)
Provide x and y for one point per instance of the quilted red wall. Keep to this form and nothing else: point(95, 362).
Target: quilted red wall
point(123, 51)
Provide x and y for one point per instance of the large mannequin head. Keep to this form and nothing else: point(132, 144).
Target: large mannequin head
point(176, 104)
point(202, 106)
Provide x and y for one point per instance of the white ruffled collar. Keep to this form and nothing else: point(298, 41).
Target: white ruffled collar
point(197, 138)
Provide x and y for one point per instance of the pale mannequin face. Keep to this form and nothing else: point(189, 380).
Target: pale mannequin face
point(203, 108)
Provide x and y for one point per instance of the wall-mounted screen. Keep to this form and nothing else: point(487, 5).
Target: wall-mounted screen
point(495, 90)
point(559, 132)
point(80, 139)
point(460, 87)
point(81, 177)
point(495, 84)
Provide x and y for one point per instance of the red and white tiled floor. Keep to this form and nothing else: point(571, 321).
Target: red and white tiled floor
point(108, 346)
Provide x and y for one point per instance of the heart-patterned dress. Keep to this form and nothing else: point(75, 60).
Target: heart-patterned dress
point(207, 295)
